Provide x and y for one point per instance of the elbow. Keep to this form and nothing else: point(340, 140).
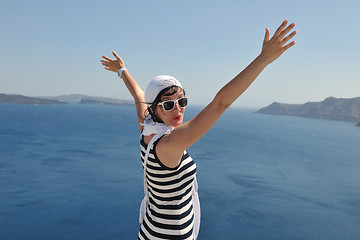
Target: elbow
point(139, 96)
point(220, 102)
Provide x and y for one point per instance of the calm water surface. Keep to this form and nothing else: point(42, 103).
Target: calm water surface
point(74, 172)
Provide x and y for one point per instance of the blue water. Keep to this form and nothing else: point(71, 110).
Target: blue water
point(73, 172)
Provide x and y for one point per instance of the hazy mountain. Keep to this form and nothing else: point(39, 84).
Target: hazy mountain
point(84, 99)
point(63, 99)
point(20, 99)
point(340, 109)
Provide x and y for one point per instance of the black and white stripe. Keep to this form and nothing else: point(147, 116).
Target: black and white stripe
point(170, 213)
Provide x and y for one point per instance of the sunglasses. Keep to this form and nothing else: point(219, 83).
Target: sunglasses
point(170, 104)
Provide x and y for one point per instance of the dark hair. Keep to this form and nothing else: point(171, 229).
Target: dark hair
point(171, 90)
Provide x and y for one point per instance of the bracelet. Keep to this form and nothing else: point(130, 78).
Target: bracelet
point(121, 71)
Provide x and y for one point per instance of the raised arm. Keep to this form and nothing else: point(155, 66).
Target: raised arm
point(171, 147)
point(136, 92)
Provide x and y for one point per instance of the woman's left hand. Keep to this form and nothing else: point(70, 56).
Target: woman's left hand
point(274, 47)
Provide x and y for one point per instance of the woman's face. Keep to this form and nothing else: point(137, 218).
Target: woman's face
point(175, 116)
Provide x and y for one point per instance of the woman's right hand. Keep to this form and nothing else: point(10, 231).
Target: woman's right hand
point(275, 46)
point(113, 65)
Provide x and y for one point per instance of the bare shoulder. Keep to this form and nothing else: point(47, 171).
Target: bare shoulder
point(166, 154)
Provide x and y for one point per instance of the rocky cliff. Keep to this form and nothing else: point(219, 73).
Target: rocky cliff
point(340, 109)
point(20, 99)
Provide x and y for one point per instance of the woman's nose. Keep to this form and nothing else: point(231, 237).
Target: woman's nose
point(177, 106)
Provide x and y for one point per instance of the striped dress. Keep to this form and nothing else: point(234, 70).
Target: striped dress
point(170, 213)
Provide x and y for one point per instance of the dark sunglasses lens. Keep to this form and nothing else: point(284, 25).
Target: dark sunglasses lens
point(183, 102)
point(168, 105)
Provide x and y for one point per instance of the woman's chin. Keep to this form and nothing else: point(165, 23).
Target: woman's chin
point(177, 123)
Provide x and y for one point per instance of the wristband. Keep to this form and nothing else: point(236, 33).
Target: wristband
point(121, 71)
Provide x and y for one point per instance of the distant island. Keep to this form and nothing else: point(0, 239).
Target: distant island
point(20, 99)
point(340, 109)
point(84, 99)
point(63, 99)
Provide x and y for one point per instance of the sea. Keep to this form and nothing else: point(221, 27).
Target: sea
point(73, 172)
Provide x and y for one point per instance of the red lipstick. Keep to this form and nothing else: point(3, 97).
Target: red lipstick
point(177, 118)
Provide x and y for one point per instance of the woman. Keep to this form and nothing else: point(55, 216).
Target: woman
point(170, 208)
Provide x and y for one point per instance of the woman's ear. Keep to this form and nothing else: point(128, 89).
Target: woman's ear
point(152, 114)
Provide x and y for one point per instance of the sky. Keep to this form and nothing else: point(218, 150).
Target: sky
point(50, 48)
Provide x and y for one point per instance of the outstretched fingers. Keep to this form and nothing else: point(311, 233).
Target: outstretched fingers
point(286, 30)
point(287, 38)
point(112, 64)
point(267, 35)
point(109, 59)
point(286, 47)
point(281, 28)
point(115, 55)
point(276, 45)
point(118, 58)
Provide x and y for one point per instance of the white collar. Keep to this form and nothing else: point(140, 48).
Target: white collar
point(151, 127)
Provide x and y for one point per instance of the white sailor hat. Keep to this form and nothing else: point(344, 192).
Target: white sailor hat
point(157, 84)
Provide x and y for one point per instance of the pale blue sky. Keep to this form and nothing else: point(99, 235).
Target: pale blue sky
point(54, 47)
